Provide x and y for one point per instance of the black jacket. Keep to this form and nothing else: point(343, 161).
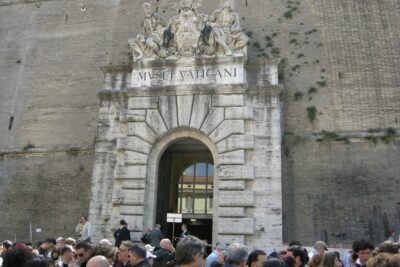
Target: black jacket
point(121, 234)
point(163, 256)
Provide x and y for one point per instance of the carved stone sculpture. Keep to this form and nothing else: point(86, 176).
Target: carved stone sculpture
point(148, 43)
point(186, 27)
point(189, 33)
point(226, 34)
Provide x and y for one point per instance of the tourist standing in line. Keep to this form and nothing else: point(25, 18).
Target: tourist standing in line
point(156, 236)
point(83, 229)
point(122, 233)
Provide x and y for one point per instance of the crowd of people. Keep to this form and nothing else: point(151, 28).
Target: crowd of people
point(189, 252)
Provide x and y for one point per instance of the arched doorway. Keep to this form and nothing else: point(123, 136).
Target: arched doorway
point(185, 185)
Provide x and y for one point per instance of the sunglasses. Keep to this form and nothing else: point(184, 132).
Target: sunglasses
point(80, 254)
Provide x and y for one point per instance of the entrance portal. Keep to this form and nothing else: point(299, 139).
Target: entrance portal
point(185, 185)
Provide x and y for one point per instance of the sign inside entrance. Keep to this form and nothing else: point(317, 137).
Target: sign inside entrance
point(174, 217)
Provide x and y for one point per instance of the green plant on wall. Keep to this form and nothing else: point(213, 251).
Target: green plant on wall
point(312, 113)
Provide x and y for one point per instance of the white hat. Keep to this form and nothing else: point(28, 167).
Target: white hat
point(105, 242)
point(150, 255)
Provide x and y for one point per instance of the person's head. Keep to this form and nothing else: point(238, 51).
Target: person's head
point(166, 244)
point(83, 251)
point(7, 244)
point(107, 250)
point(123, 251)
point(83, 219)
point(137, 254)
point(123, 222)
point(158, 226)
point(275, 262)
point(282, 254)
point(220, 246)
point(384, 260)
point(67, 253)
point(320, 247)
point(393, 233)
point(236, 256)
point(184, 227)
point(60, 242)
point(330, 259)
point(48, 243)
point(388, 247)
point(256, 258)
point(298, 254)
point(98, 261)
point(70, 241)
point(294, 243)
point(17, 257)
point(221, 256)
point(363, 248)
point(55, 253)
point(190, 252)
point(289, 261)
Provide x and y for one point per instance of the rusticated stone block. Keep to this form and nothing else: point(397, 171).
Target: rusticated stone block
point(133, 143)
point(236, 198)
point(131, 210)
point(201, 106)
point(229, 239)
point(154, 120)
point(213, 119)
point(143, 102)
point(236, 226)
point(234, 157)
point(128, 197)
point(239, 113)
point(232, 185)
point(133, 184)
point(135, 222)
point(134, 158)
point(142, 130)
point(168, 110)
point(184, 104)
point(136, 115)
point(235, 142)
point(231, 212)
point(227, 128)
point(228, 101)
point(130, 172)
point(240, 172)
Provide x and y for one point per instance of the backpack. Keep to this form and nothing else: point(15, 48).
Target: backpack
point(146, 238)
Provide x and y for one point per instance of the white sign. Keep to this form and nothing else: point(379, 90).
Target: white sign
point(221, 74)
point(174, 217)
point(38, 230)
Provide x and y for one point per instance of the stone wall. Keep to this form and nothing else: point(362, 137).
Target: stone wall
point(47, 189)
point(346, 192)
point(340, 57)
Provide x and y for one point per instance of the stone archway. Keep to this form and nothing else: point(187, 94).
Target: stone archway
point(153, 169)
point(239, 124)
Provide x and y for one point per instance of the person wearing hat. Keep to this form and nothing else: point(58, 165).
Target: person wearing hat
point(60, 242)
point(214, 255)
point(320, 247)
point(122, 233)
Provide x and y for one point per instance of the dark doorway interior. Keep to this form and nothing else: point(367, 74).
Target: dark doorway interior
point(185, 185)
